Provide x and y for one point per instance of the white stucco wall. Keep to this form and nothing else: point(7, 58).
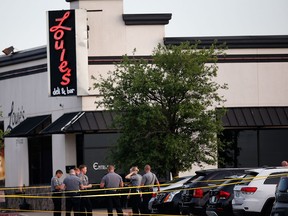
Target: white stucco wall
point(16, 161)
point(254, 84)
point(249, 84)
point(29, 95)
point(108, 34)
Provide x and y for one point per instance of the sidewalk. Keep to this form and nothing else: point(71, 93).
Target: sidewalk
point(96, 212)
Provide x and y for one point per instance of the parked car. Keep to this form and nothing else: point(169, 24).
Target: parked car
point(256, 193)
point(220, 198)
point(280, 206)
point(195, 193)
point(167, 200)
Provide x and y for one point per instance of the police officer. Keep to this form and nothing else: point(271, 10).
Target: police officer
point(86, 206)
point(135, 196)
point(57, 187)
point(72, 186)
point(149, 179)
point(111, 181)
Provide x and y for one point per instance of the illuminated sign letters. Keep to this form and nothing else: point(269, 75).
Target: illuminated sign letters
point(62, 53)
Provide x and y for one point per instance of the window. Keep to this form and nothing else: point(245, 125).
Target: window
point(95, 148)
point(253, 148)
point(40, 160)
point(273, 178)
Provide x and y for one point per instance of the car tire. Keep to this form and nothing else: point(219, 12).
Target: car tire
point(266, 211)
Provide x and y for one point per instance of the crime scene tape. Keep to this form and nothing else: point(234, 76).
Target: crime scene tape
point(126, 212)
point(121, 192)
point(48, 195)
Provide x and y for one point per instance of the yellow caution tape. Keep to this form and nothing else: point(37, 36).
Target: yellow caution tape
point(48, 195)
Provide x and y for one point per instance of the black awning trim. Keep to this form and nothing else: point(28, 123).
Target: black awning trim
point(31, 126)
point(58, 126)
point(82, 122)
point(240, 117)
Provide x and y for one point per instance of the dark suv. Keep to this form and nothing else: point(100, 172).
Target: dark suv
point(167, 200)
point(220, 198)
point(280, 207)
point(195, 194)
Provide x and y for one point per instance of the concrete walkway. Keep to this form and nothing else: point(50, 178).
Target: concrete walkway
point(96, 212)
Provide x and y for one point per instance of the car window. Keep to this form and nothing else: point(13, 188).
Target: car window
point(247, 178)
point(229, 182)
point(219, 177)
point(283, 184)
point(175, 180)
point(196, 178)
point(273, 178)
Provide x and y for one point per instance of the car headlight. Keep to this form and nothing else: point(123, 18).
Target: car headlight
point(170, 196)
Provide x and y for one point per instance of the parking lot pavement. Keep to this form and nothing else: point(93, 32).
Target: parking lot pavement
point(96, 212)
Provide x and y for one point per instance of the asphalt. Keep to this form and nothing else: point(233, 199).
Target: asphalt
point(97, 212)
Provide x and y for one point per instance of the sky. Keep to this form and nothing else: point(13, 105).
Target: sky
point(23, 22)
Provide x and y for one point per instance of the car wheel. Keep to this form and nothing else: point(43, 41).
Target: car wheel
point(267, 208)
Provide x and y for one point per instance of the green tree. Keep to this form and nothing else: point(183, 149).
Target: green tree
point(166, 108)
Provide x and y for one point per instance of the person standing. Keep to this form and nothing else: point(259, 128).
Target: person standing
point(148, 181)
point(77, 171)
point(57, 188)
point(111, 181)
point(86, 206)
point(135, 196)
point(284, 163)
point(72, 186)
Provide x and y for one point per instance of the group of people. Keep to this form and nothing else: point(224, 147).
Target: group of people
point(76, 180)
point(140, 192)
point(141, 188)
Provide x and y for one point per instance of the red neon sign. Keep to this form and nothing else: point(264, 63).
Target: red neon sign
point(59, 45)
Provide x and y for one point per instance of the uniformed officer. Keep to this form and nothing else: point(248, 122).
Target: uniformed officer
point(57, 188)
point(135, 196)
point(86, 206)
point(72, 185)
point(111, 181)
point(149, 179)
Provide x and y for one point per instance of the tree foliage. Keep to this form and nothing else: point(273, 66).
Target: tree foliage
point(166, 108)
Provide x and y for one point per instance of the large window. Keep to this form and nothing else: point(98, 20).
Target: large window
point(93, 150)
point(40, 160)
point(253, 148)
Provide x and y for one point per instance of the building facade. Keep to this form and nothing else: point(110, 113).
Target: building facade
point(50, 132)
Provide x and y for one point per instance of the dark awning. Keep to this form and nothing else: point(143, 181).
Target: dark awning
point(31, 126)
point(256, 117)
point(82, 122)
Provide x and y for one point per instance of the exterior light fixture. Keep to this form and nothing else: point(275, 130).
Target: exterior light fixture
point(8, 50)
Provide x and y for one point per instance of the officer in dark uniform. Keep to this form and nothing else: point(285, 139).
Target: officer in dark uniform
point(86, 206)
point(72, 185)
point(112, 180)
point(57, 187)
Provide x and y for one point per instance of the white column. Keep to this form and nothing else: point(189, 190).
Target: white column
point(17, 163)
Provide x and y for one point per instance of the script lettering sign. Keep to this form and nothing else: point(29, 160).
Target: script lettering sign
point(62, 53)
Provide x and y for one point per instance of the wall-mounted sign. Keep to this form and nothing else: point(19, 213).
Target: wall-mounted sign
point(97, 166)
point(16, 116)
point(67, 52)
